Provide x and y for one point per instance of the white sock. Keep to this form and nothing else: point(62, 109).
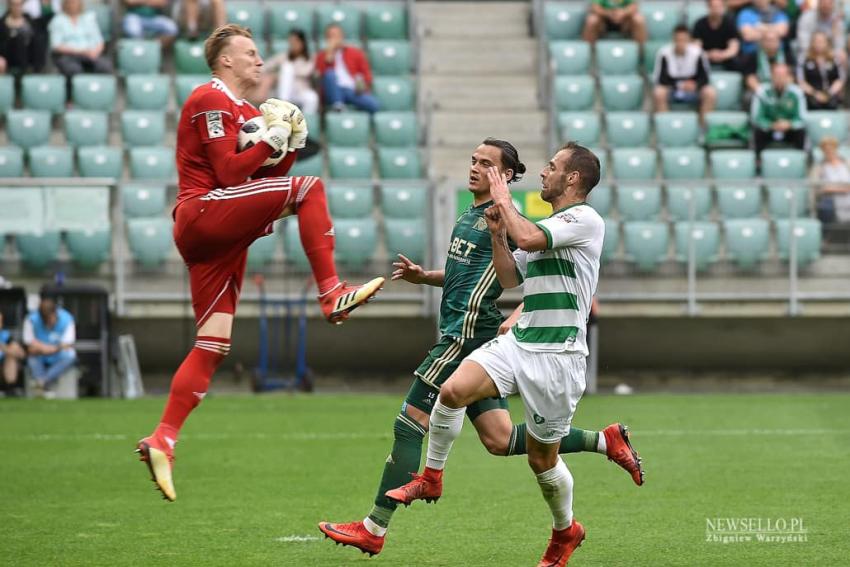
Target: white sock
point(374, 528)
point(557, 487)
point(444, 428)
point(601, 445)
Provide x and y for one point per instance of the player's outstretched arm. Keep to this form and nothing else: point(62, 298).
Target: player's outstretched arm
point(527, 235)
point(408, 271)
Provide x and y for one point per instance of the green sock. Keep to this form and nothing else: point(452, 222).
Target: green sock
point(576, 441)
point(402, 462)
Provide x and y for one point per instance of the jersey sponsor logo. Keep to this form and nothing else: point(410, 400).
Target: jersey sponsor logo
point(460, 246)
point(480, 224)
point(215, 128)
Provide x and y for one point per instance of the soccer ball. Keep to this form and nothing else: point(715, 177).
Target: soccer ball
point(251, 133)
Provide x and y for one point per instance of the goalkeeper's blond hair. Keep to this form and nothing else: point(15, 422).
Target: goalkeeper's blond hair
point(219, 39)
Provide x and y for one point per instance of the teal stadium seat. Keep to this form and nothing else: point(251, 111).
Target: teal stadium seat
point(694, 11)
point(350, 201)
point(582, 127)
point(261, 252)
point(150, 240)
point(638, 202)
point(706, 242)
point(399, 163)
point(807, 234)
point(601, 198)
point(86, 128)
point(390, 57)
point(602, 154)
point(617, 56)
point(139, 56)
point(395, 93)
point(185, 84)
point(88, 248)
point(189, 58)
point(783, 197)
point(783, 164)
point(347, 128)
point(148, 92)
point(823, 123)
point(633, 163)
point(143, 199)
point(574, 93)
point(611, 242)
point(729, 86)
point(51, 161)
point(386, 21)
point(733, 164)
point(747, 241)
point(404, 201)
point(43, 92)
point(344, 15)
point(661, 18)
point(152, 163)
point(142, 127)
point(103, 13)
point(680, 199)
point(77, 208)
point(285, 17)
point(94, 91)
point(683, 163)
point(28, 128)
point(650, 54)
point(569, 57)
point(627, 129)
point(314, 126)
point(731, 118)
point(11, 162)
point(645, 244)
point(676, 129)
point(622, 92)
point(564, 20)
point(356, 241)
point(395, 129)
point(408, 237)
point(100, 161)
point(247, 14)
point(7, 92)
point(21, 210)
point(292, 248)
point(313, 165)
point(737, 201)
point(38, 249)
point(350, 163)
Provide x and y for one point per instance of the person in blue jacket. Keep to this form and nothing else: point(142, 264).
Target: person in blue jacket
point(50, 334)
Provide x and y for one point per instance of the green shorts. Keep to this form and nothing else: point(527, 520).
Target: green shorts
point(442, 360)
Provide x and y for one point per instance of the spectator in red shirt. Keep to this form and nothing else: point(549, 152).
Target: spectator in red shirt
point(345, 74)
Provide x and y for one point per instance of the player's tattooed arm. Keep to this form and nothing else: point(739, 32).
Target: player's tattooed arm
point(503, 258)
point(407, 270)
point(527, 235)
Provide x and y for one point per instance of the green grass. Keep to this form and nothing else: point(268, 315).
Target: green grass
point(252, 471)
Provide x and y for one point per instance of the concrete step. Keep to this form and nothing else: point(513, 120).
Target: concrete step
point(451, 26)
point(478, 57)
point(449, 92)
point(473, 12)
point(462, 128)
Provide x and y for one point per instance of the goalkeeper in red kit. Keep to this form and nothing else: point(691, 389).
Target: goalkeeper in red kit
point(226, 200)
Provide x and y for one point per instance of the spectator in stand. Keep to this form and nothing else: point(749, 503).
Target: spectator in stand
point(146, 18)
point(76, 43)
point(614, 16)
point(345, 74)
point(826, 18)
point(778, 111)
point(50, 334)
point(834, 175)
point(717, 34)
point(820, 75)
point(682, 73)
point(296, 71)
point(759, 18)
point(192, 16)
point(11, 356)
point(19, 41)
point(756, 66)
point(40, 13)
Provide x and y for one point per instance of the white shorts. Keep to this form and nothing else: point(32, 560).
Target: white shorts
point(549, 383)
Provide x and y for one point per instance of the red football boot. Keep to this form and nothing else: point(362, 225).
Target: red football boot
point(158, 453)
point(619, 449)
point(561, 545)
point(427, 487)
point(354, 534)
point(343, 299)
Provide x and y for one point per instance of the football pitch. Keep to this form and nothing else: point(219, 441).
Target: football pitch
point(254, 475)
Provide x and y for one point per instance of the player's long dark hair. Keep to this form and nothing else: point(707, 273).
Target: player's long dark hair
point(510, 157)
point(305, 47)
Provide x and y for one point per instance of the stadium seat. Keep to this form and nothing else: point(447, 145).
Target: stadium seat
point(681, 197)
point(738, 120)
point(77, 208)
point(38, 249)
point(602, 154)
point(633, 163)
point(733, 164)
point(100, 161)
point(142, 127)
point(313, 165)
point(247, 14)
point(611, 242)
point(390, 57)
point(396, 129)
point(189, 58)
point(601, 198)
point(346, 201)
point(147, 92)
point(622, 92)
point(27, 128)
point(395, 93)
point(7, 92)
point(569, 57)
point(292, 248)
point(399, 163)
point(683, 163)
point(86, 128)
point(103, 13)
point(706, 242)
point(638, 202)
point(807, 234)
point(747, 241)
point(404, 201)
point(650, 55)
point(11, 163)
point(694, 11)
point(625, 129)
point(150, 240)
point(783, 197)
point(574, 93)
point(314, 123)
point(261, 252)
point(350, 163)
point(645, 244)
point(283, 18)
point(408, 237)
point(739, 200)
point(21, 210)
point(823, 123)
point(783, 164)
point(617, 56)
point(44, 92)
point(89, 248)
point(152, 163)
point(386, 21)
point(564, 20)
point(139, 56)
point(185, 84)
point(729, 86)
point(344, 15)
point(51, 161)
point(661, 18)
point(676, 129)
point(582, 127)
point(356, 241)
point(143, 199)
point(349, 129)
point(93, 91)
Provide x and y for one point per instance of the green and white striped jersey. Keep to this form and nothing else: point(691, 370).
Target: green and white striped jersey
point(559, 282)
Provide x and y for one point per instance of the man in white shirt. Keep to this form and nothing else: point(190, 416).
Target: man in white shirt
point(682, 73)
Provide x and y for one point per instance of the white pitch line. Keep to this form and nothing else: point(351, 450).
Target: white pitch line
point(297, 539)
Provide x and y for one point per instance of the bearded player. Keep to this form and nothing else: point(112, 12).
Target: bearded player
point(226, 201)
point(469, 318)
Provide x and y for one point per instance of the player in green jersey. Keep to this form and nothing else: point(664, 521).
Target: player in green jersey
point(469, 318)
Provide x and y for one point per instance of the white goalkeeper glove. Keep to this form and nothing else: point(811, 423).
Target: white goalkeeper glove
point(277, 136)
point(277, 109)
